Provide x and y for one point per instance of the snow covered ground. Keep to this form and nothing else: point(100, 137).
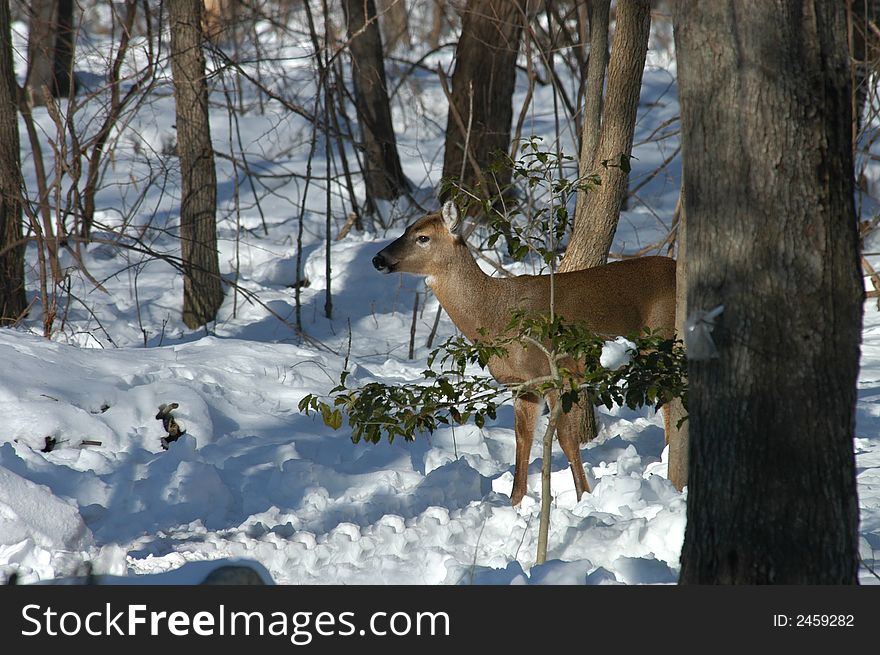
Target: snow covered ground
point(253, 479)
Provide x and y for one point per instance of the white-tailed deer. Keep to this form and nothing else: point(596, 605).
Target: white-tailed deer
point(611, 300)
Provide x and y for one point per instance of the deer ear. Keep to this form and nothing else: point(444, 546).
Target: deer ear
point(451, 217)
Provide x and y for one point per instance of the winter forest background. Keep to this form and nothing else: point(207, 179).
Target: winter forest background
point(192, 193)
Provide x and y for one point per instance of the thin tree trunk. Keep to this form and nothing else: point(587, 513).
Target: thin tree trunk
point(483, 83)
point(678, 435)
point(864, 45)
point(202, 288)
point(438, 21)
point(383, 174)
point(41, 38)
point(62, 57)
point(50, 51)
point(12, 287)
point(117, 103)
point(766, 112)
point(598, 211)
point(597, 63)
point(395, 24)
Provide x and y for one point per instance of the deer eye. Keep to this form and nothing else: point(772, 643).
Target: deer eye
point(422, 238)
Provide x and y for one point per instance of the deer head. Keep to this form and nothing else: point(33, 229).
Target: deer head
point(426, 247)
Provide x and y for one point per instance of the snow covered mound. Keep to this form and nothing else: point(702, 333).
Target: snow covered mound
point(39, 531)
point(252, 478)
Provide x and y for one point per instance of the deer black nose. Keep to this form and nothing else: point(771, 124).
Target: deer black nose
point(379, 263)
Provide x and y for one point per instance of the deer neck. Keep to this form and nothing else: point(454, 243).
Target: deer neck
point(467, 294)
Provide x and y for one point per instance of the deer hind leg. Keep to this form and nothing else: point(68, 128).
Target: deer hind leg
point(667, 420)
point(526, 409)
point(568, 435)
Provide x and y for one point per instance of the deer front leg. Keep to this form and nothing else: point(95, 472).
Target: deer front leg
point(568, 435)
point(526, 409)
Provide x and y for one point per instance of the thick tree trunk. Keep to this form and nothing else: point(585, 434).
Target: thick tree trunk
point(768, 174)
point(50, 51)
point(598, 211)
point(202, 288)
point(383, 174)
point(483, 83)
point(12, 289)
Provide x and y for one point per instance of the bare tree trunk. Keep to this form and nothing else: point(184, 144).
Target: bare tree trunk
point(383, 174)
point(217, 17)
point(864, 45)
point(766, 113)
point(62, 60)
point(678, 435)
point(118, 102)
point(438, 20)
point(395, 24)
point(50, 51)
point(598, 211)
point(13, 300)
point(202, 288)
point(483, 83)
point(599, 11)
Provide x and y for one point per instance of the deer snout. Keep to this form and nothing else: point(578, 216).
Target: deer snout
point(381, 264)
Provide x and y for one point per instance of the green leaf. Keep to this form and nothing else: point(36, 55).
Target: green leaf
point(325, 413)
point(446, 388)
